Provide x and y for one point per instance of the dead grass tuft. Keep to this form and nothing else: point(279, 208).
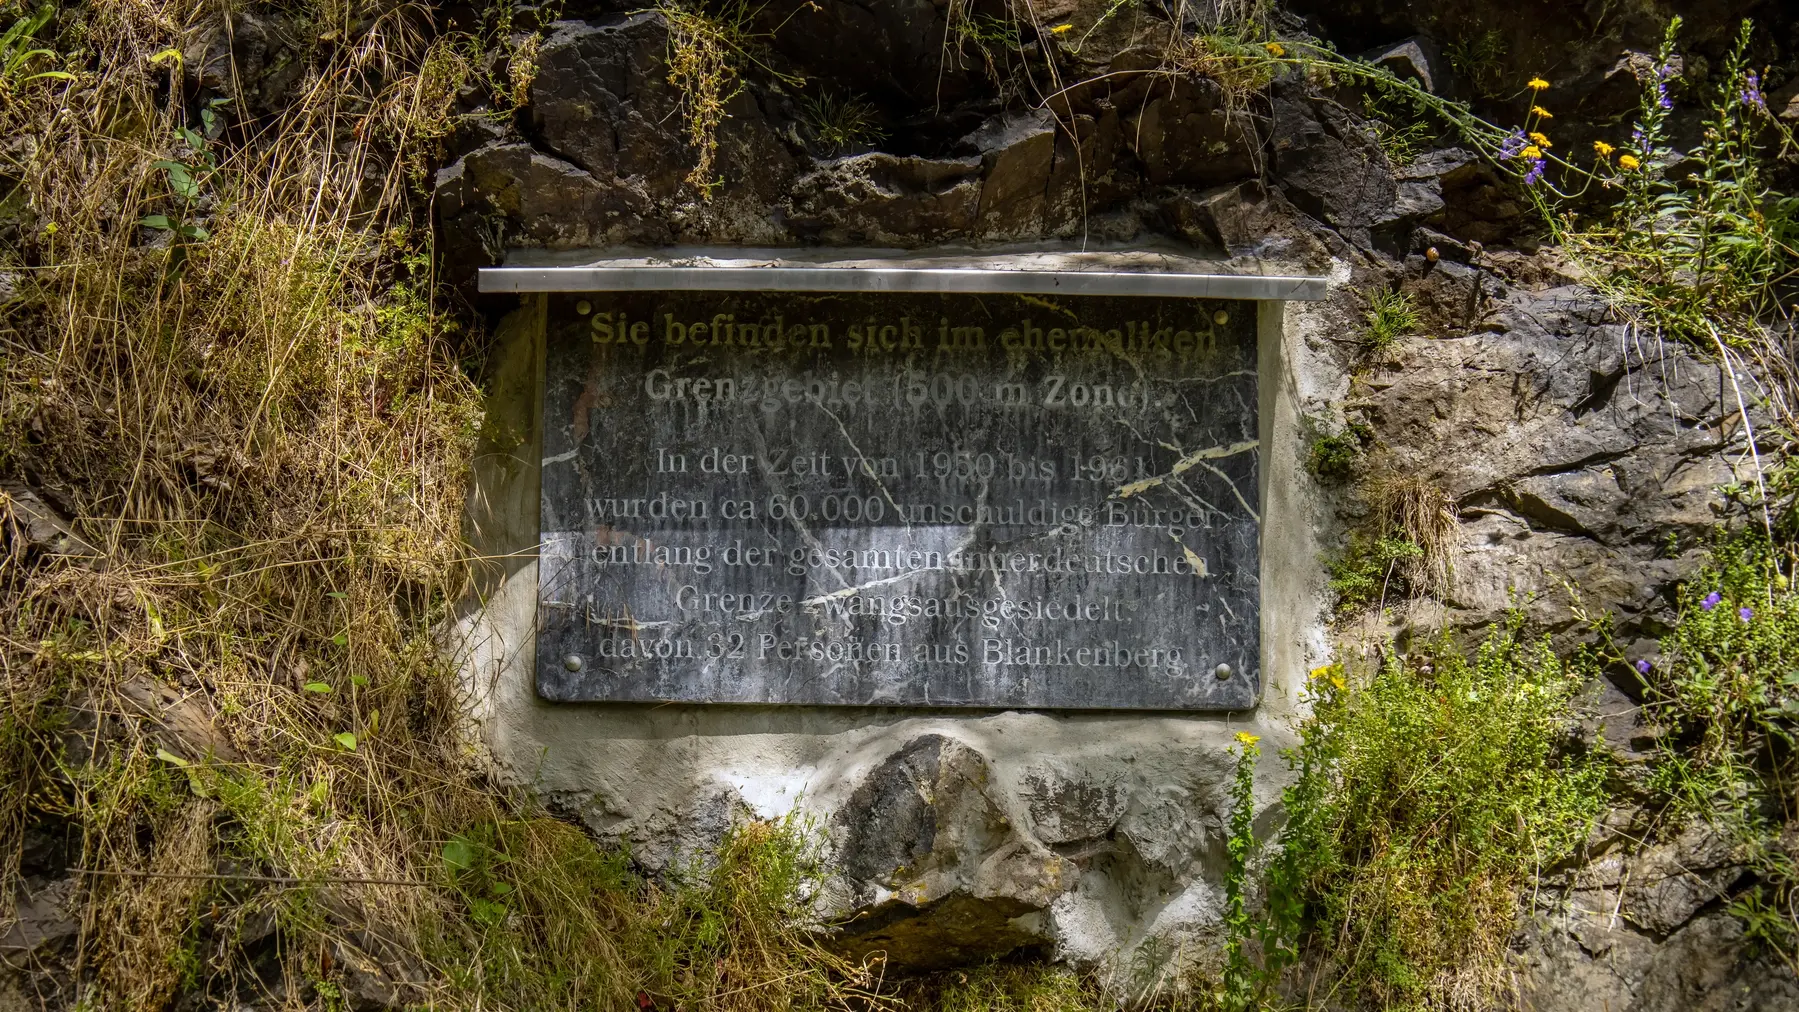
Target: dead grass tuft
point(1409, 506)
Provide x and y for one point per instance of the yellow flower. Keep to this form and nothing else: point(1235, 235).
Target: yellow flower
point(1537, 84)
point(1629, 162)
point(1275, 48)
point(1245, 738)
point(1603, 149)
point(1060, 29)
point(1542, 141)
point(1337, 682)
point(1320, 671)
point(1532, 151)
point(1542, 112)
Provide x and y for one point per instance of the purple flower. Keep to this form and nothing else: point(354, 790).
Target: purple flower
point(1535, 175)
point(1711, 600)
point(1510, 147)
point(1745, 613)
point(1661, 96)
point(1643, 667)
point(1752, 91)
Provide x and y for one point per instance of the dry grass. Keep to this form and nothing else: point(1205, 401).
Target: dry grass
point(257, 417)
point(1410, 507)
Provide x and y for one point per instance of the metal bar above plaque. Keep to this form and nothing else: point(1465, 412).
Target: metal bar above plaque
point(899, 498)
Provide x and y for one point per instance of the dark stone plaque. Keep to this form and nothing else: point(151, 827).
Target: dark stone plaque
point(900, 499)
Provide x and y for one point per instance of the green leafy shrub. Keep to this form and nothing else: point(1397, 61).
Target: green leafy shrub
point(1725, 690)
point(1335, 458)
point(1726, 684)
point(1244, 982)
point(1424, 798)
point(1012, 987)
point(1371, 567)
point(1403, 125)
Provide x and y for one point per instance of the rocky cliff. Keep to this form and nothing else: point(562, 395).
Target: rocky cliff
point(1580, 460)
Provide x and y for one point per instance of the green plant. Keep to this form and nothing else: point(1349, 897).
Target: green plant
point(1478, 58)
point(1407, 547)
point(1766, 927)
point(17, 53)
point(1335, 458)
point(1402, 123)
point(551, 920)
point(1244, 982)
point(1724, 689)
point(1012, 987)
point(1390, 316)
point(1425, 795)
point(1369, 568)
point(993, 39)
point(841, 123)
point(1699, 256)
point(708, 51)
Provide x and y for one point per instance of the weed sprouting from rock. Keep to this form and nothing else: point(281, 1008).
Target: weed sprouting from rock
point(708, 51)
point(1427, 791)
point(1244, 984)
point(1408, 548)
point(1336, 458)
point(1390, 316)
point(841, 123)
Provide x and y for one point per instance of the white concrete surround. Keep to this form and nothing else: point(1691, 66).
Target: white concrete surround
point(1123, 810)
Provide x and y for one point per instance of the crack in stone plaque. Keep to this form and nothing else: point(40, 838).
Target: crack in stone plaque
point(900, 499)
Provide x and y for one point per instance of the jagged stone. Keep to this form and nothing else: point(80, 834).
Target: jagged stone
point(514, 195)
point(1582, 957)
point(602, 100)
point(1331, 168)
point(887, 199)
point(1784, 101)
point(182, 722)
point(942, 875)
point(1244, 220)
point(898, 52)
point(43, 528)
point(257, 60)
point(1572, 451)
point(1017, 155)
point(36, 945)
point(1416, 58)
point(1186, 135)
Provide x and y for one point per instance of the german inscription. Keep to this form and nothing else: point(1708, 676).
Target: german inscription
point(900, 499)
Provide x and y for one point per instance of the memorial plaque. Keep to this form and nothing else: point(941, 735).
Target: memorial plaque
point(900, 499)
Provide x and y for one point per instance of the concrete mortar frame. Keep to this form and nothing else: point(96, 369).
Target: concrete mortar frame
point(670, 776)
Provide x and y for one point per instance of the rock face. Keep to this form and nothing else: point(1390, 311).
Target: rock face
point(1572, 448)
point(1642, 930)
point(1573, 451)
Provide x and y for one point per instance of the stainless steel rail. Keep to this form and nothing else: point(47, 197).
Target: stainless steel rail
point(969, 280)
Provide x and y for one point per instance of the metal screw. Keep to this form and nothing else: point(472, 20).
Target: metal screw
point(1222, 672)
point(572, 662)
point(1221, 317)
point(584, 307)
